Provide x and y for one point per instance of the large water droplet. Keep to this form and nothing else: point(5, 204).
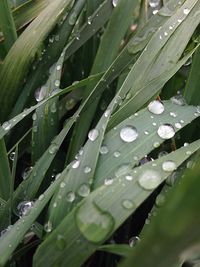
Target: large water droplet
point(94, 223)
point(156, 107)
point(128, 134)
point(84, 190)
point(149, 180)
point(93, 134)
point(169, 166)
point(166, 131)
point(24, 208)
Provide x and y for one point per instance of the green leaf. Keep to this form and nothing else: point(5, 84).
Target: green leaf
point(10, 240)
point(122, 250)
point(103, 211)
point(23, 52)
point(165, 238)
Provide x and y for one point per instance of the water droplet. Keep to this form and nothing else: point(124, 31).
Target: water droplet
point(156, 107)
point(70, 196)
point(57, 83)
point(103, 150)
point(41, 197)
point(117, 154)
point(154, 3)
point(128, 204)
point(178, 125)
point(160, 200)
point(12, 156)
point(169, 166)
point(155, 11)
point(48, 227)
point(146, 132)
point(89, 20)
point(128, 134)
point(84, 190)
point(58, 67)
point(24, 208)
point(95, 226)
point(133, 241)
point(166, 131)
point(107, 113)
point(60, 242)
point(54, 204)
point(75, 164)
point(87, 169)
point(70, 103)
point(173, 114)
point(123, 169)
point(108, 181)
point(53, 107)
point(40, 93)
point(6, 126)
point(178, 100)
point(162, 153)
point(114, 3)
point(186, 11)
point(62, 184)
point(149, 180)
point(26, 172)
point(129, 177)
point(34, 117)
point(156, 144)
point(53, 149)
point(93, 134)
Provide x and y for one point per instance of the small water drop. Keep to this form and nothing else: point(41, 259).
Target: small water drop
point(186, 11)
point(75, 164)
point(123, 169)
point(70, 196)
point(133, 241)
point(41, 197)
point(169, 166)
point(62, 184)
point(6, 126)
point(12, 156)
point(178, 100)
point(53, 149)
point(129, 177)
point(160, 200)
point(87, 169)
point(89, 20)
point(84, 190)
point(108, 181)
point(149, 180)
point(104, 150)
point(57, 83)
point(48, 227)
point(128, 134)
point(166, 131)
point(58, 67)
point(156, 107)
point(178, 125)
point(93, 134)
point(128, 204)
point(156, 144)
point(116, 154)
point(34, 117)
point(53, 107)
point(26, 172)
point(40, 93)
point(107, 113)
point(173, 114)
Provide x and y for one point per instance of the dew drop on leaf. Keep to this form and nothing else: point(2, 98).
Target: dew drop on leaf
point(93, 134)
point(114, 3)
point(154, 3)
point(166, 131)
point(24, 208)
point(108, 181)
point(87, 169)
point(75, 164)
point(103, 150)
point(133, 241)
point(129, 134)
point(70, 196)
point(156, 107)
point(48, 227)
point(149, 179)
point(128, 204)
point(84, 190)
point(6, 126)
point(12, 156)
point(169, 166)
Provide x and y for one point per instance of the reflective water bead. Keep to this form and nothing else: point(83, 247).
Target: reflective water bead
point(149, 179)
point(12, 156)
point(116, 154)
point(84, 190)
point(93, 134)
point(186, 11)
point(169, 166)
point(75, 164)
point(108, 181)
point(26, 172)
point(103, 150)
point(123, 169)
point(87, 169)
point(53, 149)
point(156, 107)
point(40, 93)
point(89, 20)
point(178, 125)
point(114, 3)
point(129, 177)
point(154, 3)
point(58, 67)
point(6, 126)
point(156, 144)
point(24, 208)
point(57, 83)
point(166, 131)
point(128, 204)
point(173, 114)
point(178, 100)
point(41, 197)
point(48, 227)
point(70, 196)
point(34, 117)
point(107, 113)
point(62, 184)
point(133, 241)
point(128, 134)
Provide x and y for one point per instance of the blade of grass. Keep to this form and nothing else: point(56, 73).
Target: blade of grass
point(166, 233)
point(101, 213)
point(7, 24)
